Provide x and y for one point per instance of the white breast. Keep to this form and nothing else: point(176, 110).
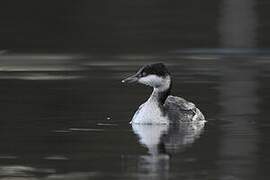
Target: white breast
point(149, 113)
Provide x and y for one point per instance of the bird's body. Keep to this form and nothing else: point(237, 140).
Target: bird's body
point(161, 107)
point(174, 110)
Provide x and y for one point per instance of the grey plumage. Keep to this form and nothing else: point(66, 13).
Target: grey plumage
point(180, 110)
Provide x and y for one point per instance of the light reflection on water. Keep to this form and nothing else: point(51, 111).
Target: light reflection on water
point(162, 141)
point(58, 128)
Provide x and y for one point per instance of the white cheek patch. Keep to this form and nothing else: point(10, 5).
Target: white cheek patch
point(158, 83)
point(151, 80)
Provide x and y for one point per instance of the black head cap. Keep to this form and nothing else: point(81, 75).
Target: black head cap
point(158, 69)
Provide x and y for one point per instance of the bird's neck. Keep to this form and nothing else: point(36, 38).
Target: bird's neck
point(160, 94)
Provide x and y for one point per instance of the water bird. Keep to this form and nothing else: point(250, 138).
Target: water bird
point(161, 107)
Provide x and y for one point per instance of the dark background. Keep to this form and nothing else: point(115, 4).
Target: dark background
point(65, 113)
point(120, 25)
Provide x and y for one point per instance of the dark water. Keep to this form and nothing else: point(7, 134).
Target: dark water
point(67, 116)
point(65, 120)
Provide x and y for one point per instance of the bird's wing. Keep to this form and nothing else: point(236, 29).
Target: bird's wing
point(180, 109)
point(179, 103)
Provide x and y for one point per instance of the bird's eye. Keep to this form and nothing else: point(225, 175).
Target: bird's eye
point(143, 74)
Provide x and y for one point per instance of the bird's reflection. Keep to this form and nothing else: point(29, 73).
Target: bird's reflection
point(162, 141)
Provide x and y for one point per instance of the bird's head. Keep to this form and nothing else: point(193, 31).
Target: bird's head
point(154, 75)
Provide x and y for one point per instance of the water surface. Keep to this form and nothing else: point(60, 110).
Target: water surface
point(66, 120)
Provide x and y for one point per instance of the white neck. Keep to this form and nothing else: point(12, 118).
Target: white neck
point(160, 93)
point(152, 110)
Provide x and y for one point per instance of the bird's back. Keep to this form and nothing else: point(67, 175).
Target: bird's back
point(181, 110)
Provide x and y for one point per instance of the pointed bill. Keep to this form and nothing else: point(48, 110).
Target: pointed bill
point(130, 79)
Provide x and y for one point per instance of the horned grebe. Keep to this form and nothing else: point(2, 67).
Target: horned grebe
point(161, 107)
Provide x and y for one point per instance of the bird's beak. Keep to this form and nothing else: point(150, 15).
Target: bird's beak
point(130, 79)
